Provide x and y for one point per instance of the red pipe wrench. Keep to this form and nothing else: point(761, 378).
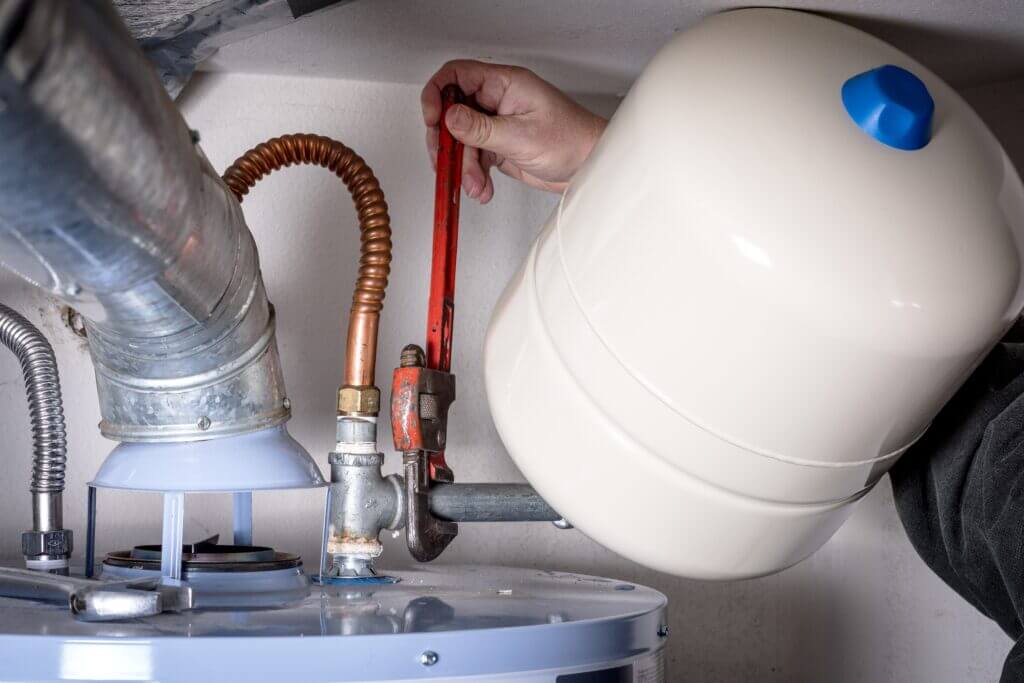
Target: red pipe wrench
point(423, 387)
point(441, 305)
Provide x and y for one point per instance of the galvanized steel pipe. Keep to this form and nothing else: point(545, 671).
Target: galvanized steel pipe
point(490, 503)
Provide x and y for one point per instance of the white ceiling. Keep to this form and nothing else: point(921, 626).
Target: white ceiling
point(598, 46)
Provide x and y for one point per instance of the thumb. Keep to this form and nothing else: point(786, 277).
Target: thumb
point(492, 133)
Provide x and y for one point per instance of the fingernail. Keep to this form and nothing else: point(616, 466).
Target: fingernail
point(457, 118)
point(471, 187)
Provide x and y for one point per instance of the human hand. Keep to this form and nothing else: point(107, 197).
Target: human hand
point(529, 129)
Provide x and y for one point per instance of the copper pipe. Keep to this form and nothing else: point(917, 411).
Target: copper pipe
point(374, 230)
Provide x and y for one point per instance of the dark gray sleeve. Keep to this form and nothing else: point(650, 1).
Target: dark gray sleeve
point(960, 494)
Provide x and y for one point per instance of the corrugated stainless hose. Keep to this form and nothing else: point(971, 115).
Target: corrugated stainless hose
point(47, 546)
point(45, 408)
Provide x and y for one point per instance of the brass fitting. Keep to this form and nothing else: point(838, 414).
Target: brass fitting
point(358, 400)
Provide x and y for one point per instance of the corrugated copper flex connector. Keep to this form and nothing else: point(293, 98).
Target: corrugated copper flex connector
point(359, 395)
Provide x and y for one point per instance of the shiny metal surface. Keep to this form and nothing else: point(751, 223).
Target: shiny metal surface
point(91, 600)
point(46, 413)
point(349, 567)
point(108, 206)
point(47, 511)
point(512, 624)
point(47, 546)
point(49, 435)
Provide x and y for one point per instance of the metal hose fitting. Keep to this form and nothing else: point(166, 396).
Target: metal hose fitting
point(47, 544)
point(355, 396)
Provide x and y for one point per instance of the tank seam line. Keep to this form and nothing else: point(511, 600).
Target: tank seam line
point(657, 395)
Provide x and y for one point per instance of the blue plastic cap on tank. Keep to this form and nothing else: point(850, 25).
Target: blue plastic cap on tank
point(891, 105)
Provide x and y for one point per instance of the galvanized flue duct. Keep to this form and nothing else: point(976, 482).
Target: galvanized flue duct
point(106, 203)
point(177, 35)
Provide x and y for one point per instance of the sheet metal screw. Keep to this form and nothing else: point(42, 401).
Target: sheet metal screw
point(204, 423)
point(74, 320)
point(663, 631)
point(429, 658)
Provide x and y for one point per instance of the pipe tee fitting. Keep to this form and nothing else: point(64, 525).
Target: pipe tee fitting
point(363, 502)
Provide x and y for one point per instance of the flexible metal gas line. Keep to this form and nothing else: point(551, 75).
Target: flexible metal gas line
point(47, 545)
point(45, 408)
point(374, 230)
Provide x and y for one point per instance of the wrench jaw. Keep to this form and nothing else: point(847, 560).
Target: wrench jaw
point(129, 600)
point(94, 600)
point(101, 604)
point(175, 598)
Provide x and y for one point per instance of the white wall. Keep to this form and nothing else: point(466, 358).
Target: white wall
point(864, 608)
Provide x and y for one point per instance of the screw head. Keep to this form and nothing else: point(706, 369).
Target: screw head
point(287, 403)
point(204, 423)
point(663, 631)
point(74, 321)
point(429, 658)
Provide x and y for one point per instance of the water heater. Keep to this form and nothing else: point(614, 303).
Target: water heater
point(789, 249)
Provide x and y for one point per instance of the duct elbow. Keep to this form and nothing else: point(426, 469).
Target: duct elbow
point(108, 205)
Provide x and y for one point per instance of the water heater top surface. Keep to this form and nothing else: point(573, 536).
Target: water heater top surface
point(477, 622)
point(790, 247)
